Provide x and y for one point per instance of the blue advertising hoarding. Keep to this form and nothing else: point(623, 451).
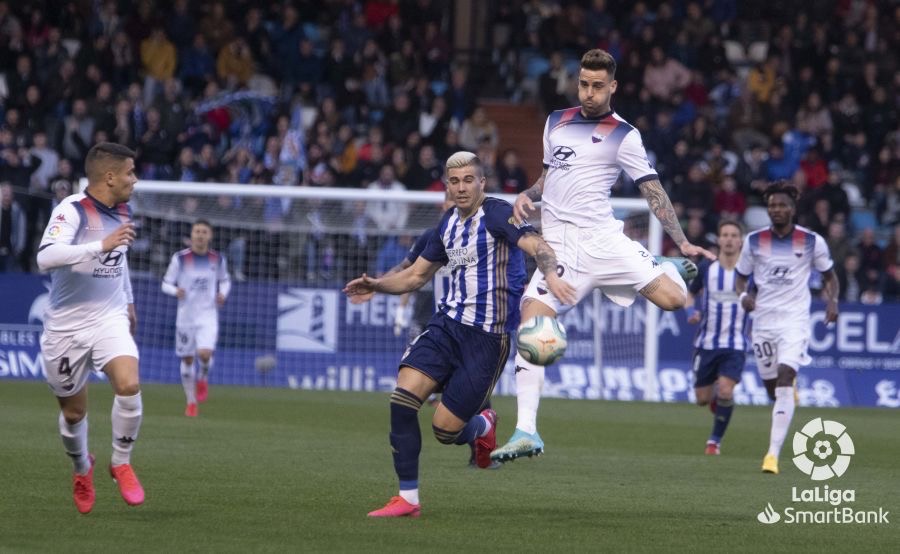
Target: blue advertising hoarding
point(318, 340)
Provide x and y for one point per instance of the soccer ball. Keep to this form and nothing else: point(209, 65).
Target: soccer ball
point(542, 340)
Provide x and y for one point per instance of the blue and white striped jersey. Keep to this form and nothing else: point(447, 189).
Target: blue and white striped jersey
point(441, 281)
point(725, 323)
point(487, 269)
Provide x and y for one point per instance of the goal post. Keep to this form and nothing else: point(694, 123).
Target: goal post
point(291, 249)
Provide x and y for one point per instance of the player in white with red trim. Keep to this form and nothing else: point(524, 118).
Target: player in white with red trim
point(91, 318)
point(781, 258)
point(198, 277)
point(585, 150)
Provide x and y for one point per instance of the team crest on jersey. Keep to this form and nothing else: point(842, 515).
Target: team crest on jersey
point(512, 221)
point(597, 137)
point(54, 231)
point(60, 217)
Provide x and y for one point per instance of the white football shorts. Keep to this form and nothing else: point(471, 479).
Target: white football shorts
point(191, 338)
point(588, 259)
point(70, 357)
point(772, 347)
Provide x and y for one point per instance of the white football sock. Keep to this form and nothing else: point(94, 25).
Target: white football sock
point(188, 382)
point(782, 413)
point(75, 441)
point(204, 368)
point(672, 272)
point(487, 425)
point(126, 422)
point(410, 495)
point(529, 383)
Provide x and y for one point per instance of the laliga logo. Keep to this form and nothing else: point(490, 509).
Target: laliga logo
point(822, 449)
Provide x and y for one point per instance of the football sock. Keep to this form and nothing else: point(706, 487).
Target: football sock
point(672, 272)
point(126, 422)
point(75, 441)
point(204, 368)
point(188, 382)
point(724, 407)
point(406, 442)
point(476, 427)
point(782, 413)
point(529, 383)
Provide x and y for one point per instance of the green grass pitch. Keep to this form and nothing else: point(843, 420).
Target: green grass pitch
point(289, 471)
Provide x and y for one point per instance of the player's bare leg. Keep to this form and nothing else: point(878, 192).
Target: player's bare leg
point(127, 412)
point(189, 384)
point(73, 428)
point(667, 291)
point(525, 440)
point(204, 358)
point(782, 414)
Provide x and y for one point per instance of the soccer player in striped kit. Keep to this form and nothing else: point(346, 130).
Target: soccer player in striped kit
point(90, 323)
point(467, 342)
point(198, 277)
point(780, 258)
point(721, 341)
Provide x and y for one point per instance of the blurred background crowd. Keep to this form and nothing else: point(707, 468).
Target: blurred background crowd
point(728, 95)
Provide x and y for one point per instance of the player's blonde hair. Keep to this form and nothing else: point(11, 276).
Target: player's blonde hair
point(464, 159)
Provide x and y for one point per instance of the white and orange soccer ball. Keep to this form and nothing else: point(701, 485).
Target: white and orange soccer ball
point(542, 340)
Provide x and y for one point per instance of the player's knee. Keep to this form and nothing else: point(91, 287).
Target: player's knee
point(129, 388)
point(786, 376)
point(444, 436)
point(189, 360)
point(702, 401)
point(205, 356)
point(74, 414)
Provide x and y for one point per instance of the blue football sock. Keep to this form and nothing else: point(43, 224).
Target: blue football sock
point(724, 407)
point(473, 429)
point(406, 438)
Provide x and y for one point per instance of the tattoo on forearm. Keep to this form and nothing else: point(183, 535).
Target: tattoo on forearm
point(662, 208)
point(537, 189)
point(545, 258)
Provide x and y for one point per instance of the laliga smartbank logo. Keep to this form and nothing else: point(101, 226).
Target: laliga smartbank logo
point(823, 450)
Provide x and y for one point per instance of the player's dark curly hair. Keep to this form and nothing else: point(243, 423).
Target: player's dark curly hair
point(781, 187)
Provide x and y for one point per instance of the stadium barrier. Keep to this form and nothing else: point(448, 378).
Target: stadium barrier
point(313, 339)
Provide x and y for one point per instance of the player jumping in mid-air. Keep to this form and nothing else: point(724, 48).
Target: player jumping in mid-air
point(91, 319)
point(721, 342)
point(780, 258)
point(198, 277)
point(466, 343)
point(585, 150)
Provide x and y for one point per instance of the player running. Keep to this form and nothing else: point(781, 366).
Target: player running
point(721, 342)
point(466, 344)
point(585, 150)
point(91, 318)
point(780, 259)
point(198, 277)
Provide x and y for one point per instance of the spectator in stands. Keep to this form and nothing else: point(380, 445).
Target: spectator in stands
point(848, 278)
point(387, 215)
point(730, 202)
point(196, 65)
point(838, 243)
point(478, 130)
point(159, 59)
point(871, 257)
point(663, 76)
point(12, 230)
point(235, 63)
point(510, 175)
point(833, 192)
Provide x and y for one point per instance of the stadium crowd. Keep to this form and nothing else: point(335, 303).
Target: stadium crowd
point(352, 93)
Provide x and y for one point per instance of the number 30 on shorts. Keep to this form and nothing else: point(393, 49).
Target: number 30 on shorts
point(764, 351)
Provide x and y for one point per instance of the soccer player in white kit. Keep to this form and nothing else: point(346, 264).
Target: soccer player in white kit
point(198, 277)
point(91, 319)
point(585, 149)
point(781, 258)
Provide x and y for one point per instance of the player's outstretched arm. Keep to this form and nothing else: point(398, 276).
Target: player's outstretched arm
point(525, 200)
point(831, 290)
point(360, 289)
point(662, 208)
point(535, 246)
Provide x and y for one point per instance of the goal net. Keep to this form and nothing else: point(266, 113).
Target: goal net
point(286, 322)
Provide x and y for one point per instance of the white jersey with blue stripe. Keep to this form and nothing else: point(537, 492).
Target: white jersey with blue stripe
point(583, 158)
point(202, 277)
point(97, 286)
point(725, 323)
point(781, 267)
point(487, 268)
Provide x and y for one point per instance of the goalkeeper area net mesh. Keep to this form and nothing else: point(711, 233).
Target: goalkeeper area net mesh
point(286, 322)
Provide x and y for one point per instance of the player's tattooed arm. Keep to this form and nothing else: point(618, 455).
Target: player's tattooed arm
point(532, 244)
point(662, 208)
point(525, 200)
